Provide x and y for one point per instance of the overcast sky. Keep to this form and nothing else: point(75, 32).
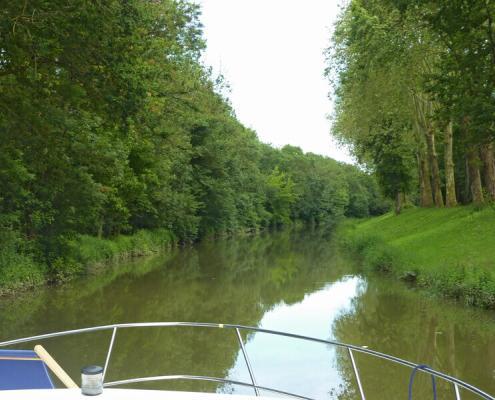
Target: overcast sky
point(271, 54)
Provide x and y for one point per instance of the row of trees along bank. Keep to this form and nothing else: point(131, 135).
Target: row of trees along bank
point(111, 125)
point(415, 88)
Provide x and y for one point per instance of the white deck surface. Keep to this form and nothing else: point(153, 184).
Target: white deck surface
point(114, 394)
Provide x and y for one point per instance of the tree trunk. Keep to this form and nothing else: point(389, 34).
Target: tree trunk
point(426, 196)
point(423, 113)
point(467, 184)
point(488, 169)
point(398, 203)
point(450, 196)
point(435, 171)
point(474, 175)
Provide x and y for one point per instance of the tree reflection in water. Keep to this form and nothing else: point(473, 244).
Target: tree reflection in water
point(395, 320)
point(292, 281)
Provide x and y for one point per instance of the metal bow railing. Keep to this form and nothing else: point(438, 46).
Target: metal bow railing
point(457, 383)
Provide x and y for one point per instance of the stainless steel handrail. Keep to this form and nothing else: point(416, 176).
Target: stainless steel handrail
point(248, 363)
point(114, 327)
point(201, 378)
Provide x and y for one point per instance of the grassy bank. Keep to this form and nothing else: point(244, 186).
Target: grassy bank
point(19, 270)
point(451, 251)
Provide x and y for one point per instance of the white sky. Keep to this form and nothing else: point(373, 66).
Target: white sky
point(271, 54)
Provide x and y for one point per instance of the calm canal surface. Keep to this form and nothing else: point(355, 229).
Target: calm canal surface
point(285, 281)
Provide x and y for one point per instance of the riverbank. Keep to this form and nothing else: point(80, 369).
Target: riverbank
point(449, 251)
point(87, 255)
point(83, 254)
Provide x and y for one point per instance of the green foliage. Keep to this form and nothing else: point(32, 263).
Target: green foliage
point(463, 82)
point(89, 250)
point(279, 197)
point(365, 197)
point(373, 78)
point(115, 141)
point(403, 73)
point(18, 270)
point(449, 251)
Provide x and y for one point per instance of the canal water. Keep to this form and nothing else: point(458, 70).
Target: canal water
point(289, 281)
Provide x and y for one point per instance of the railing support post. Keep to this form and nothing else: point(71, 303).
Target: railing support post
point(457, 392)
point(356, 373)
point(244, 353)
point(109, 353)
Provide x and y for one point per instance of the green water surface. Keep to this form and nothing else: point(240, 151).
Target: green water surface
point(289, 281)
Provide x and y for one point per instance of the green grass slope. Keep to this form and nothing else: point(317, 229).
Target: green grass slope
point(449, 250)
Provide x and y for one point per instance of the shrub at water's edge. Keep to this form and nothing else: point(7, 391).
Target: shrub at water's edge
point(90, 250)
point(21, 271)
point(450, 251)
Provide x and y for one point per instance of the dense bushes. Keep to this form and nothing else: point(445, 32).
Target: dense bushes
point(90, 250)
point(18, 268)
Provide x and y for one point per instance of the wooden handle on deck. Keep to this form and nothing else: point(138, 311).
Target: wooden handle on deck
point(54, 367)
